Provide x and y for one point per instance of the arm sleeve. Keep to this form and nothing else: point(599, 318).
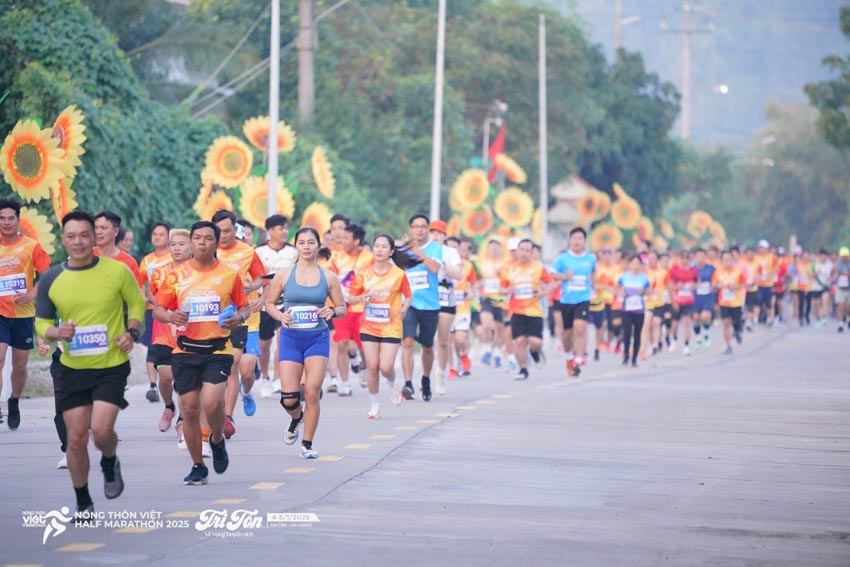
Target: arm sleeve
point(237, 294)
point(545, 276)
point(45, 310)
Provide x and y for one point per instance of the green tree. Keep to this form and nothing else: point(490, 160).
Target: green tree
point(832, 98)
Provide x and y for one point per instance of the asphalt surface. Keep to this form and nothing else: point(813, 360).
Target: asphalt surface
point(700, 460)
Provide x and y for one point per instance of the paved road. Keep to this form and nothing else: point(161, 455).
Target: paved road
point(704, 460)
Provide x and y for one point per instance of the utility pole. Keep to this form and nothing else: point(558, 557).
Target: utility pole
point(687, 31)
point(437, 145)
point(618, 25)
point(274, 108)
point(543, 133)
point(306, 51)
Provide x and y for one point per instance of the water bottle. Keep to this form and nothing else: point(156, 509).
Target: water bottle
point(186, 308)
point(226, 313)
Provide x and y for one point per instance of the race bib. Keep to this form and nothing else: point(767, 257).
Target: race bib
point(89, 340)
point(491, 287)
point(728, 295)
point(843, 281)
point(206, 308)
point(304, 317)
point(446, 296)
point(460, 296)
point(703, 288)
point(524, 291)
point(577, 283)
point(377, 312)
point(666, 296)
point(685, 293)
point(13, 284)
point(633, 303)
point(418, 280)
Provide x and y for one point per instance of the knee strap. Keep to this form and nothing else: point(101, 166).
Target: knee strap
point(294, 399)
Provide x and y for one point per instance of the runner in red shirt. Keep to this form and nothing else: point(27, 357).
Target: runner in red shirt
point(682, 280)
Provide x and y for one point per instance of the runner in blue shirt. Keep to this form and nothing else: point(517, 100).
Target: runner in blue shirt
point(704, 299)
point(576, 269)
point(633, 286)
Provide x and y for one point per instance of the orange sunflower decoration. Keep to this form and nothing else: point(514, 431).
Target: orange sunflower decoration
point(317, 215)
point(620, 192)
point(605, 236)
point(469, 191)
point(537, 225)
point(645, 231)
point(217, 200)
point(603, 204)
point(699, 223)
point(687, 242)
point(204, 193)
point(587, 206)
point(666, 228)
point(454, 226)
point(255, 197)
point(68, 129)
point(504, 232)
point(322, 173)
point(229, 161)
point(660, 243)
point(31, 161)
point(36, 227)
point(718, 234)
point(257, 131)
point(477, 223)
point(626, 213)
point(514, 207)
point(63, 199)
point(510, 168)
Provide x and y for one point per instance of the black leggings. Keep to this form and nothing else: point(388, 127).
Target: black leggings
point(805, 305)
point(632, 325)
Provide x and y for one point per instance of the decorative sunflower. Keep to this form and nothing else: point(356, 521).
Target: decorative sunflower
point(587, 206)
point(204, 193)
point(537, 225)
point(454, 226)
point(504, 232)
point(510, 168)
point(323, 175)
point(255, 196)
point(699, 223)
point(666, 228)
point(477, 223)
point(228, 161)
point(620, 192)
point(63, 199)
point(217, 200)
point(605, 235)
point(514, 207)
point(257, 131)
point(660, 243)
point(317, 215)
point(718, 234)
point(469, 191)
point(36, 227)
point(645, 231)
point(626, 213)
point(687, 242)
point(68, 129)
point(31, 161)
point(603, 204)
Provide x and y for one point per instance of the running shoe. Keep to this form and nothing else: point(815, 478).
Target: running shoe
point(249, 406)
point(739, 338)
point(63, 462)
point(165, 420)
point(626, 361)
point(306, 453)
point(229, 427)
point(152, 395)
point(465, 364)
point(486, 358)
point(1, 415)
point(181, 443)
point(198, 475)
point(266, 389)
point(220, 457)
point(840, 329)
point(497, 362)
point(728, 350)
point(512, 366)
point(84, 514)
point(344, 390)
point(407, 392)
point(276, 387)
point(596, 355)
point(426, 389)
point(355, 362)
point(374, 412)
point(570, 365)
point(293, 432)
point(14, 419)
point(206, 451)
point(706, 343)
point(113, 483)
point(178, 427)
point(452, 374)
point(522, 375)
point(333, 386)
point(634, 364)
point(440, 380)
point(396, 396)
point(364, 380)
point(686, 351)
point(672, 347)
point(618, 348)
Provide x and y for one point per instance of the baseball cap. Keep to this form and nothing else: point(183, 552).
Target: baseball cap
point(781, 250)
point(764, 243)
point(439, 226)
point(513, 244)
point(844, 251)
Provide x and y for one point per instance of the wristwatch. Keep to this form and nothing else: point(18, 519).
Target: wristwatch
point(134, 333)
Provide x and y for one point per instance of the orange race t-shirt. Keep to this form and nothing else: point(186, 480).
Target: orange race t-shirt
point(18, 263)
point(606, 282)
point(526, 280)
point(242, 258)
point(490, 282)
point(464, 286)
point(127, 260)
point(765, 265)
point(381, 311)
point(162, 333)
point(347, 266)
point(723, 278)
point(150, 263)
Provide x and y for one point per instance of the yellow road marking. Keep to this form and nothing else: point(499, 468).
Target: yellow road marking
point(298, 470)
point(428, 421)
point(23, 565)
point(229, 501)
point(138, 530)
point(381, 437)
point(267, 486)
point(448, 414)
point(467, 407)
point(485, 402)
point(329, 459)
point(357, 446)
point(406, 428)
point(81, 547)
point(501, 396)
point(183, 515)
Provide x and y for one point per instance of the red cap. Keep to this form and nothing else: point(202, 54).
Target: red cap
point(439, 225)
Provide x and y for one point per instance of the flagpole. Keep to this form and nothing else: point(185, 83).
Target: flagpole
point(543, 143)
point(437, 147)
point(274, 108)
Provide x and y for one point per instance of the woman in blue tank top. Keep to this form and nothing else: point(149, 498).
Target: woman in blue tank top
point(304, 337)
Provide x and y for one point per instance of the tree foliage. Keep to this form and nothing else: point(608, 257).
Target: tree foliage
point(832, 98)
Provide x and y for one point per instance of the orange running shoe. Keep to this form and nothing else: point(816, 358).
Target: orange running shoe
point(642, 355)
point(452, 374)
point(570, 367)
point(465, 363)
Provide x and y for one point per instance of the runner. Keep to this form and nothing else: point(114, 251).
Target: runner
point(334, 240)
point(304, 339)
point(751, 269)
point(385, 292)
point(160, 256)
point(730, 283)
point(682, 280)
point(577, 270)
point(450, 271)
point(349, 260)
point(526, 282)
point(607, 273)
point(245, 232)
point(633, 286)
point(106, 226)
point(464, 295)
point(87, 294)
point(824, 269)
point(765, 266)
point(125, 240)
point(197, 298)
point(842, 287)
point(491, 335)
point(276, 255)
point(704, 300)
point(20, 258)
point(802, 272)
point(783, 262)
point(245, 338)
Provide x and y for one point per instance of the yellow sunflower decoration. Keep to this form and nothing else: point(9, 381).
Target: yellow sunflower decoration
point(626, 213)
point(699, 223)
point(603, 204)
point(68, 129)
point(537, 225)
point(477, 223)
point(469, 191)
point(322, 173)
point(687, 242)
point(514, 207)
point(217, 200)
point(666, 228)
point(255, 197)
point(587, 206)
point(63, 199)
point(718, 234)
point(317, 215)
point(510, 168)
point(454, 226)
point(36, 227)
point(605, 236)
point(660, 243)
point(645, 231)
point(257, 131)
point(620, 192)
point(504, 232)
point(31, 161)
point(229, 161)
point(204, 193)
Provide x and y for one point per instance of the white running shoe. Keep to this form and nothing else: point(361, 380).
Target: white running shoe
point(276, 387)
point(672, 347)
point(306, 453)
point(266, 389)
point(440, 382)
point(396, 396)
point(181, 443)
point(364, 379)
point(206, 450)
point(374, 412)
point(686, 351)
point(344, 390)
point(63, 462)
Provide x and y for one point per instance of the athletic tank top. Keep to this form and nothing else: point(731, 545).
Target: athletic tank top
point(305, 301)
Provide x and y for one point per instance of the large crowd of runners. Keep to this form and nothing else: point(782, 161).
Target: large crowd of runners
point(214, 311)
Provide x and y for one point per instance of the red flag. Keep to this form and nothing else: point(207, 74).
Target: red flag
point(496, 148)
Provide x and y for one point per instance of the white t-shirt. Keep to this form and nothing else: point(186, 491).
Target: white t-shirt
point(451, 258)
point(276, 260)
point(823, 271)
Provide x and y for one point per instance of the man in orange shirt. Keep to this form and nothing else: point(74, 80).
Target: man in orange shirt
point(766, 267)
point(526, 280)
point(20, 258)
point(730, 282)
point(106, 226)
point(160, 256)
point(195, 297)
